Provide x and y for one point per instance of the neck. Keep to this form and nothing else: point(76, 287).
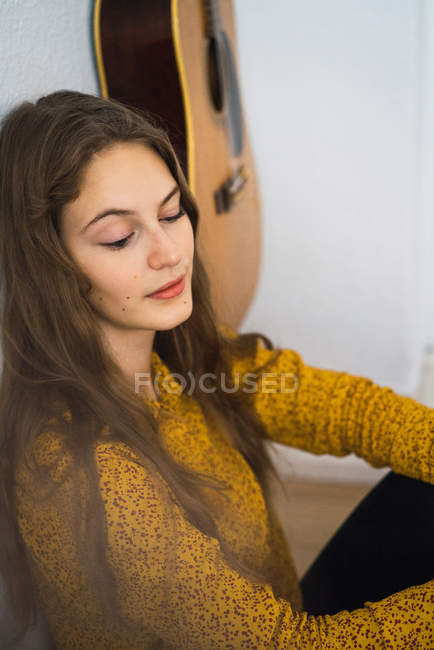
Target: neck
point(132, 352)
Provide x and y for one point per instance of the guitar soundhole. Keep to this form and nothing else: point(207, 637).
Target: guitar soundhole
point(215, 75)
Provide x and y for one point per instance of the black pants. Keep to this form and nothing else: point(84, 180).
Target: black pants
point(384, 546)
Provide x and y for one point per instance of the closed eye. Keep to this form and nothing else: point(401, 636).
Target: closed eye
point(122, 243)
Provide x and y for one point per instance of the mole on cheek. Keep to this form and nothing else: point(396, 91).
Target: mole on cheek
point(128, 297)
point(123, 308)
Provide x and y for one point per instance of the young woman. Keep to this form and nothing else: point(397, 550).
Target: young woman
point(135, 501)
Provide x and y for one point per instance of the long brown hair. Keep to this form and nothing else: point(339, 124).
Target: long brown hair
point(53, 356)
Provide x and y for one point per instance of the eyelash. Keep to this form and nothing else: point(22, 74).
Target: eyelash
point(113, 245)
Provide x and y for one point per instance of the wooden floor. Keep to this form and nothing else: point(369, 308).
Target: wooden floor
point(312, 514)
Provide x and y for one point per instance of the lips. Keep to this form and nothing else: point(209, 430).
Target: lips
point(169, 284)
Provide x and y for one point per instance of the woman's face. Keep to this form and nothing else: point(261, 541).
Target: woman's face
point(153, 241)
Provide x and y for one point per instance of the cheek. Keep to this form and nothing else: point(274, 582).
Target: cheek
point(117, 299)
point(111, 284)
point(113, 287)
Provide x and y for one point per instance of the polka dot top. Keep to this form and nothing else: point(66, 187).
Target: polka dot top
point(196, 600)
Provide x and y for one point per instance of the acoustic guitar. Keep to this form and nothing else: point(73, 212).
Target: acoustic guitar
point(177, 60)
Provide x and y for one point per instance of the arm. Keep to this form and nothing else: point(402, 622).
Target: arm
point(194, 599)
point(329, 412)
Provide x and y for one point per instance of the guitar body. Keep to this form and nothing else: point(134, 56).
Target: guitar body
point(177, 61)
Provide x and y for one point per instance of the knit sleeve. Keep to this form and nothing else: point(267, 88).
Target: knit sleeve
point(177, 590)
point(196, 600)
point(330, 412)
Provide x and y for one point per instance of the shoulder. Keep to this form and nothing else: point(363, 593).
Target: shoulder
point(46, 453)
point(252, 352)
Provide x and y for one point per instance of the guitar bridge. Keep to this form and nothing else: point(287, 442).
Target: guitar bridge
point(231, 190)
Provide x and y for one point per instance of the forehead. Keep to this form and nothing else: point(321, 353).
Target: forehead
point(123, 162)
point(125, 175)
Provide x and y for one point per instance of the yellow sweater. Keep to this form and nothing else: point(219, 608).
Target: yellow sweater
point(199, 601)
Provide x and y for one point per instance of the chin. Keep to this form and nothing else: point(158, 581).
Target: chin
point(169, 321)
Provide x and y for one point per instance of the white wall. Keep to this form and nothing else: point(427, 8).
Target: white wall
point(339, 102)
point(332, 94)
point(338, 98)
point(44, 46)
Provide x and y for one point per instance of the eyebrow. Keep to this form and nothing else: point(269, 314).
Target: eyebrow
point(126, 213)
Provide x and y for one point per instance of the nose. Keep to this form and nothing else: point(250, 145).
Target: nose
point(164, 251)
